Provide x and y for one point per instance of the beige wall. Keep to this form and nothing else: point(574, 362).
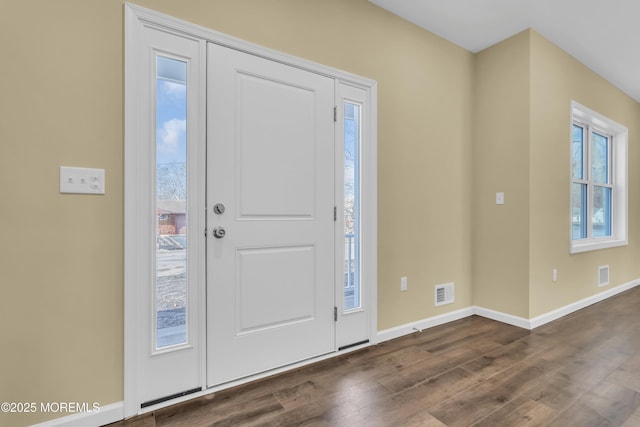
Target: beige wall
point(61, 312)
point(556, 79)
point(61, 308)
point(523, 90)
point(501, 164)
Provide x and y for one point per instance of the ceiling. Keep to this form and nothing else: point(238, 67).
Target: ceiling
point(602, 34)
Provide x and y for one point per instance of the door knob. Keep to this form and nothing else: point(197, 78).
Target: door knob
point(219, 232)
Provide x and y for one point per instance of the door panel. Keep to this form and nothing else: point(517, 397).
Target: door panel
point(270, 283)
point(283, 275)
point(276, 148)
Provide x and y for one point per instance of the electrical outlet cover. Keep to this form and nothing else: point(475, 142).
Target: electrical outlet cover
point(81, 180)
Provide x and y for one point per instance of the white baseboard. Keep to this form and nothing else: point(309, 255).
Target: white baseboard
point(398, 331)
point(521, 322)
point(509, 319)
point(108, 414)
point(578, 305)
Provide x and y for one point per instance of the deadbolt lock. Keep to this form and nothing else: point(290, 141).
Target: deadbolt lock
point(218, 208)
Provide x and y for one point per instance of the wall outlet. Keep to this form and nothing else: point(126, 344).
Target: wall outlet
point(554, 275)
point(403, 283)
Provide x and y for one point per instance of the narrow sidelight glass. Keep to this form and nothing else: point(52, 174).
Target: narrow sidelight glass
point(171, 203)
point(352, 139)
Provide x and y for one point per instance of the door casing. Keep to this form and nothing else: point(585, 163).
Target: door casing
point(136, 18)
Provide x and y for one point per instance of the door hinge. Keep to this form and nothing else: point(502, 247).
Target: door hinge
point(335, 213)
point(205, 232)
point(335, 314)
point(335, 113)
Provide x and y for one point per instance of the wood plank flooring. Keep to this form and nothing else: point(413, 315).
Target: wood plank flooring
point(582, 370)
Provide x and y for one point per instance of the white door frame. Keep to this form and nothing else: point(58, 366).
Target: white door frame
point(136, 18)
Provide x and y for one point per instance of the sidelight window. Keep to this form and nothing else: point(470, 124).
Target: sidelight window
point(352, 137)
point(171, 203)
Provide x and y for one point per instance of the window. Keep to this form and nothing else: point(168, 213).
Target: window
point(598, 181)
point(352, 205)
point(171, 203)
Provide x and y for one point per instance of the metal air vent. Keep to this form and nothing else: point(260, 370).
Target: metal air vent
point(603, 275)
point(444, 294)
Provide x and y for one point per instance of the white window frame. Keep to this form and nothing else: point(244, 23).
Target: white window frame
point(618, 135)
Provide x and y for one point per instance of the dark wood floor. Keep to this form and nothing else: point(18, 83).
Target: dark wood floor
point(582, 370)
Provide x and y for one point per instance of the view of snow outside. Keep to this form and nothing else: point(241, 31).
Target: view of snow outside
point(171, 196)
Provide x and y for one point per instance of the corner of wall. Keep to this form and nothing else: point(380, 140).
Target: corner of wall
point(500, 236)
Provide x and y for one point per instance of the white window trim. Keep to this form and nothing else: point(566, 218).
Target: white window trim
point(619, 179)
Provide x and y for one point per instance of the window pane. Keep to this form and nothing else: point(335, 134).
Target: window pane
point(601, 216)
point(578, 211)
point(351, 206)
point(171, 203)
point(577, 153)
point(600, 158)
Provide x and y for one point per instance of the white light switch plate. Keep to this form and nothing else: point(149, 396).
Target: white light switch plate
point(403, 283)
point(500, 198)
point(81, 180)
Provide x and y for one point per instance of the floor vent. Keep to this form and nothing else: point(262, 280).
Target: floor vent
point(444, 294)
point(603, 275)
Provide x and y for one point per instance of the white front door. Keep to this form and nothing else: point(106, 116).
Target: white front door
point(270, 171)
point(208, 125)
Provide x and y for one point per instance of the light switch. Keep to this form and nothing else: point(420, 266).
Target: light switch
point(500, 198)
point(403, 283)
point(81, 180)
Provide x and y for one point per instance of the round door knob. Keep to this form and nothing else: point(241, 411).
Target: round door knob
point(219, 232)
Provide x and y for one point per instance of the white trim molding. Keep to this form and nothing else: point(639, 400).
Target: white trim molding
point(161, 21)
point(579, 305)
point(520, 322)
point(509, 319)
point(618, 136)
point(420, 325)
point(106, 415)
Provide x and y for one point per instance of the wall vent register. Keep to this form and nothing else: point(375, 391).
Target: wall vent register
point(444, 294)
